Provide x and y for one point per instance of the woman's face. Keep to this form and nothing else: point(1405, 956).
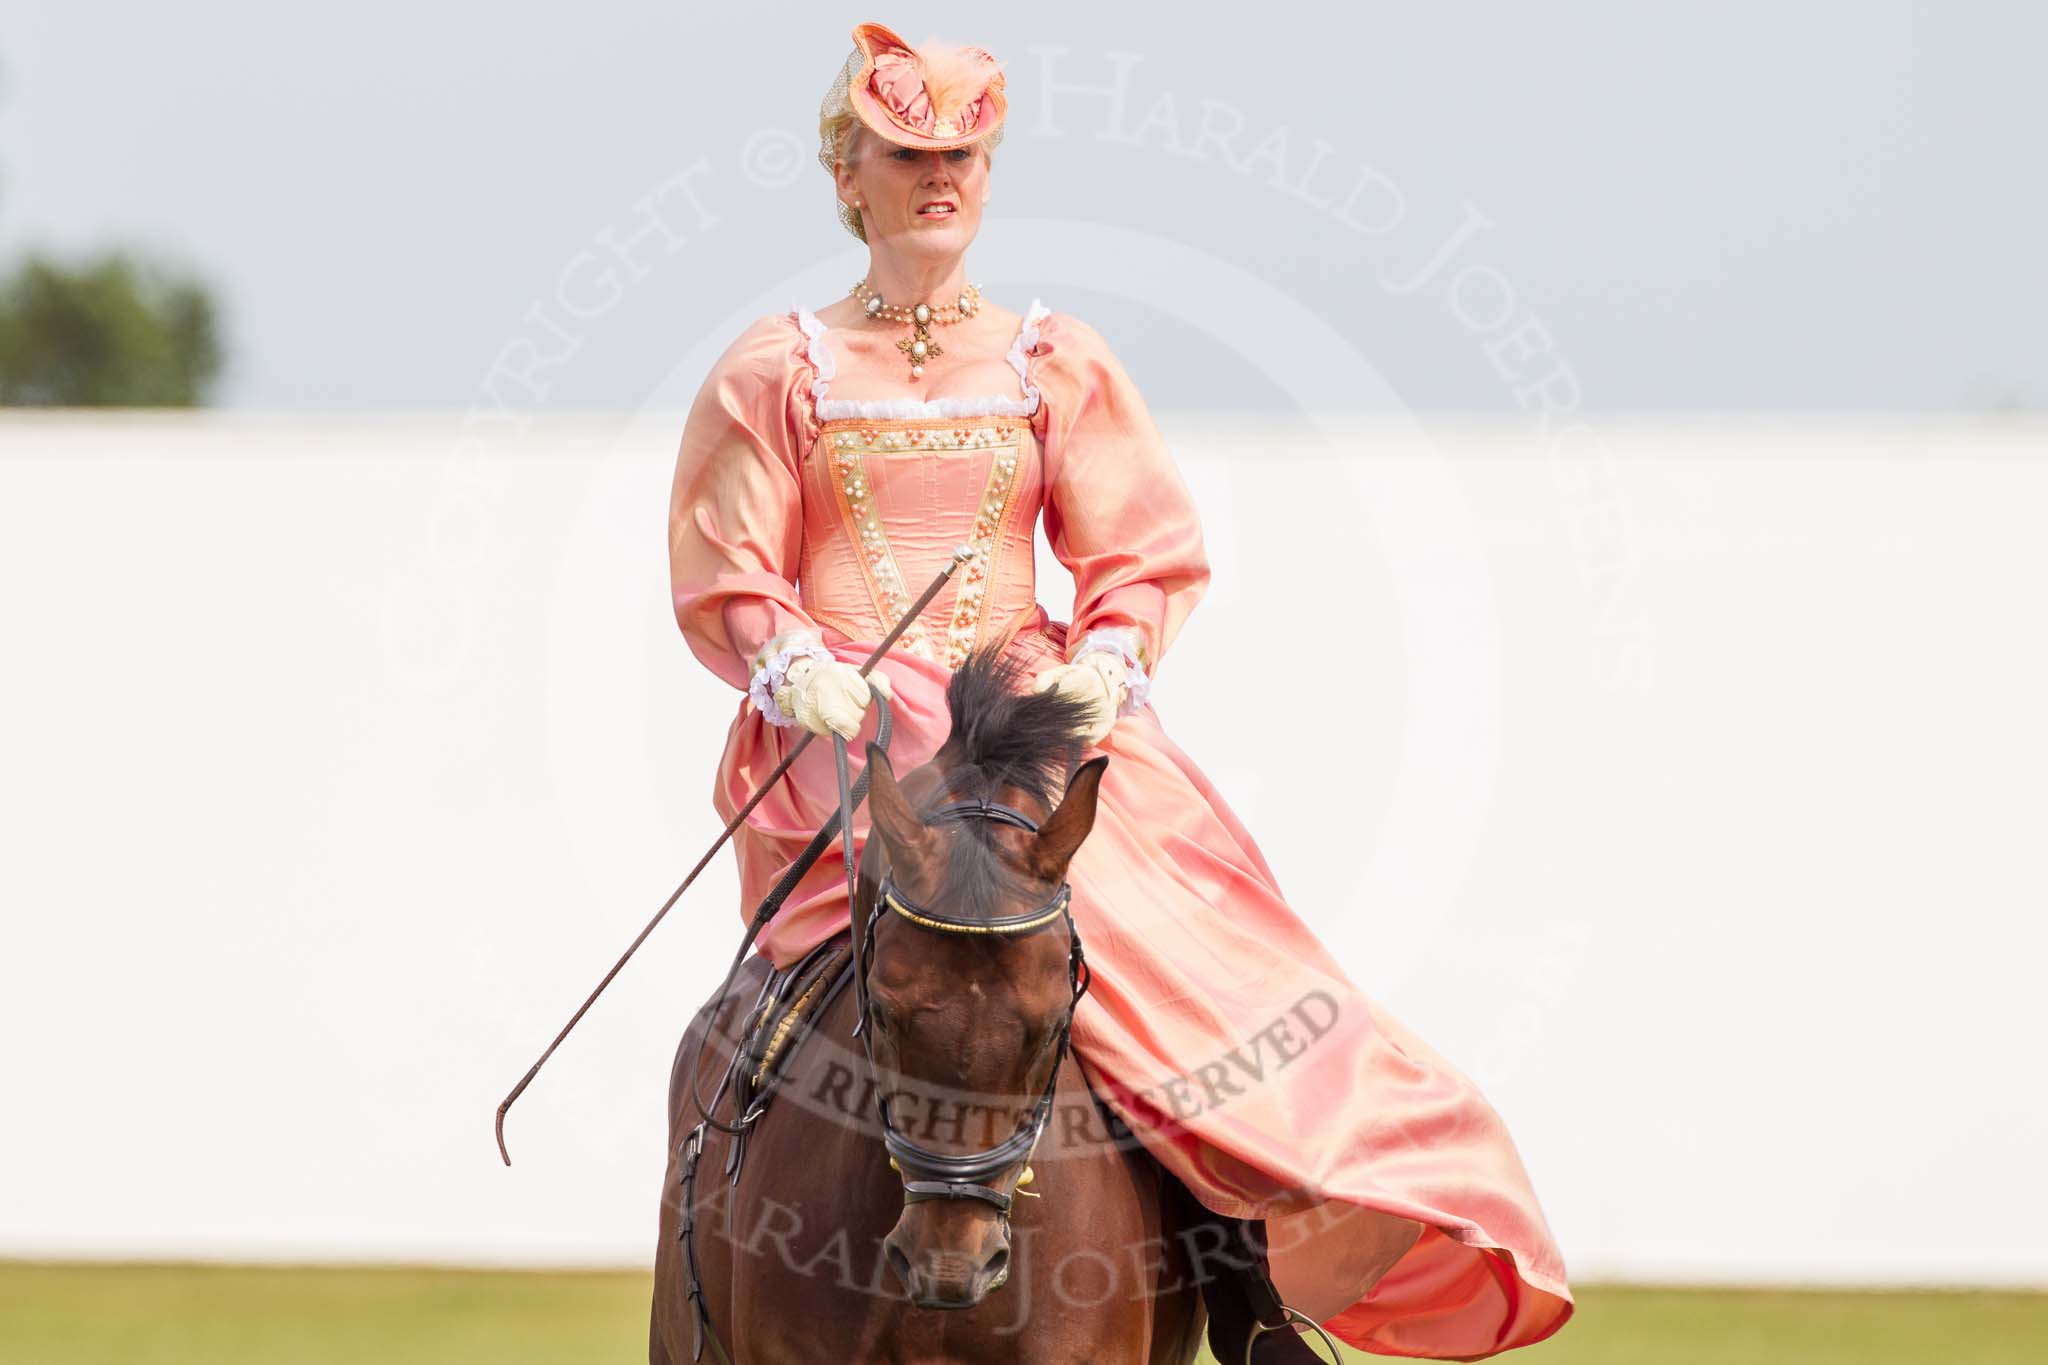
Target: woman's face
point(923, 203)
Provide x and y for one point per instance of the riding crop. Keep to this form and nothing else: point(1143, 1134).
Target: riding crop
point(961, 554)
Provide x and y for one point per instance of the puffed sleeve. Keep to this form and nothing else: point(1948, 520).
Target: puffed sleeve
point(735, 524)
point(1117, 512)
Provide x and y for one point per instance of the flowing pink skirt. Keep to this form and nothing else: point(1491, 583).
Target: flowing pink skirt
point(1227, 1038)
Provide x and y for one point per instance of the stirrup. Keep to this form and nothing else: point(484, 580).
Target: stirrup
point(1294, 1315)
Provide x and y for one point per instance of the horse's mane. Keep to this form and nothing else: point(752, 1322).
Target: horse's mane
point(1003, 735)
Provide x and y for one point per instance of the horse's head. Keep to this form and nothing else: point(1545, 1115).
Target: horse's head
point(971, 968)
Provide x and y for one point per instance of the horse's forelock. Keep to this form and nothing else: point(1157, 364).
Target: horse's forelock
point(1003, 736)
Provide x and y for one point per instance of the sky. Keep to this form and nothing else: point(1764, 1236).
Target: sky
point(1817, 206)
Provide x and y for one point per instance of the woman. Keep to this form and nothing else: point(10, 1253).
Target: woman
point(830, 465)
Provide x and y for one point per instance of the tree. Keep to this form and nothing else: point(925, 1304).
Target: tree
point(112, 332)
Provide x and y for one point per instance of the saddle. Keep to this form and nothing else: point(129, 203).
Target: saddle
point(792, 1001)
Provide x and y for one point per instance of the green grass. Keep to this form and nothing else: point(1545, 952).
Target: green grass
point(191, 1315)
point(186, 1315)
point(1765, 1327)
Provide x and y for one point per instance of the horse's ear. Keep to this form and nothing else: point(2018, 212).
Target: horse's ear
point(907, 838)
point(1064, 830)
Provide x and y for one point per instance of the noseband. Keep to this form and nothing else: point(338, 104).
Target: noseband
point(941, 1175)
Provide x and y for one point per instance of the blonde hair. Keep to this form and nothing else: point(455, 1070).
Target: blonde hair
point(839, 134)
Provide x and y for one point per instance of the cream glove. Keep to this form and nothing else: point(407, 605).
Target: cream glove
point(1098, 678)
point(828, 696)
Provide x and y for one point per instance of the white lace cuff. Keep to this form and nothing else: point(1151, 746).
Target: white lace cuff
point(771, 666)
point(1124, 642)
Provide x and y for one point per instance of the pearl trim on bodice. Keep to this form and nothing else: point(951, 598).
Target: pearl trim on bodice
point(892, 409)
point(850, 448)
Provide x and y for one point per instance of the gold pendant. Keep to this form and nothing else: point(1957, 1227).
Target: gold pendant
point(919, 347)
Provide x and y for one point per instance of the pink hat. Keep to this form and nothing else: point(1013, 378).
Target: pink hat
point(933, 97)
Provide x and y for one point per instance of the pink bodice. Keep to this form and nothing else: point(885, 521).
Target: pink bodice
point(885, 504)
point(894, 484)
point(819, 490)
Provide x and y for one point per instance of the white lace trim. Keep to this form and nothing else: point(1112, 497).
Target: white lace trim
point(1124, 642)
point(1021, 346)
point(887, 409)
point(981, 405)
point(818, 352)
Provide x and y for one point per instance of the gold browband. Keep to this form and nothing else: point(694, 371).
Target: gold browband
point(1057, 908)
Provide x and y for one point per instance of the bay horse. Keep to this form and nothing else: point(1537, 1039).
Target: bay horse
point(936, 1180)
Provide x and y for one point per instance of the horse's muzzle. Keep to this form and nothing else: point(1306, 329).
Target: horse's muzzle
point(949, 1279)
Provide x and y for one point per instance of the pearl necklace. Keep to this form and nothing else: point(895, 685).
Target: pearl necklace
point(919, 347)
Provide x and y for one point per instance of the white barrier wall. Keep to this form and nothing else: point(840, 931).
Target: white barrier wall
point(1695, 806)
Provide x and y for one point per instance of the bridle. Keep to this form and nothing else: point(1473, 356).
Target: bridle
point(943, 1175)
point(959, 1177)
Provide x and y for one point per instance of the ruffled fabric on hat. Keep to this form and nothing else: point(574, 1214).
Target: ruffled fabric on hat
point(932, 96)
point(900, 84)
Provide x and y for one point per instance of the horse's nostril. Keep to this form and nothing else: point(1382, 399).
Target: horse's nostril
point(900, 1263)
point(997, 1270)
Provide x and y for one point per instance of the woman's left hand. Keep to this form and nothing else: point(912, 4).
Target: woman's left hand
point(1099, 679)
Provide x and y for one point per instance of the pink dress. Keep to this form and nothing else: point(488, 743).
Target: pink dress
point(818, 487)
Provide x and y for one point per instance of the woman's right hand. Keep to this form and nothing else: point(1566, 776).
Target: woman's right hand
point(1097, 678)
point(828, 696)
